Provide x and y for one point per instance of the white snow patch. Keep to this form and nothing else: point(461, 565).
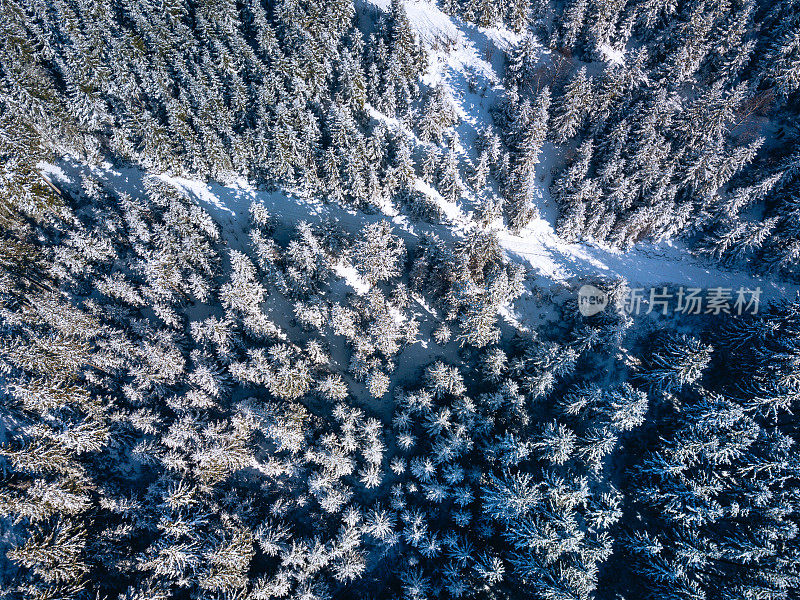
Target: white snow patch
point(421, 301)
point(451, 210)
point(48, 169)
point(508, 315)
point(397, 315)
point(352, 278)
point(612, 55)
point(390, 121)
point(428, 22)
point(199, 189)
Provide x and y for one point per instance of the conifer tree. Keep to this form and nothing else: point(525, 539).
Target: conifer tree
point(571, 108)
point(380, 254)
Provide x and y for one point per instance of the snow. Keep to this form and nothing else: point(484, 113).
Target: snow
point(450, 210)
point(397, 316)
point(424, 305)
point(467, 61)
point(431, 24)
point(554, 260)
point(51, 171)
point(199, 190)
point(351, 278)
point(611, 55)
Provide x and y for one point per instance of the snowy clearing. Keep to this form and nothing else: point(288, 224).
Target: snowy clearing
point(550, 259)
point(459, 53)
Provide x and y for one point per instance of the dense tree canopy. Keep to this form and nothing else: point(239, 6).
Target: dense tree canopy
point(282, 405)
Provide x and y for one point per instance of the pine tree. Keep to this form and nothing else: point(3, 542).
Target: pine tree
point(520, 71)
point(575, 14)
point(527, 146)
point(449, 183)
point(680, 361)
point(478, 324)
point(54, 553)
point(377, 384)
point(571, 108)
point(780, 65)
point(556, 443)
point(480, 173)
point(379, 255)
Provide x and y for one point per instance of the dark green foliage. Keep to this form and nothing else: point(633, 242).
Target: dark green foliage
point(312, 412)
point(676, 115)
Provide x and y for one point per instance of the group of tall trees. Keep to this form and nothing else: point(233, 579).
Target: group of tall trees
point(667, 138)
point(181, 417)
point(686, 129)
point(313, 412)
point(669, 120)
point(274, 91)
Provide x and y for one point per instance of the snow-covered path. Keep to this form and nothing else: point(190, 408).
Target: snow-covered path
point(467, 61)
point(550, 259)
point(646, 265)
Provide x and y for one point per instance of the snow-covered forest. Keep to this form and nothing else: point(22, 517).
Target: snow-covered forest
point(289, 299)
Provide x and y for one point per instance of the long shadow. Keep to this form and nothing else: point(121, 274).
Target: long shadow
point(647, 264)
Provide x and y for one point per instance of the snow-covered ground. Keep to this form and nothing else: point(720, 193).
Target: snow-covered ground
point(468, 61)
point(476, 54)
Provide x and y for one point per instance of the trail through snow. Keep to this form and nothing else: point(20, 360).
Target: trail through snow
point(467, 60)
